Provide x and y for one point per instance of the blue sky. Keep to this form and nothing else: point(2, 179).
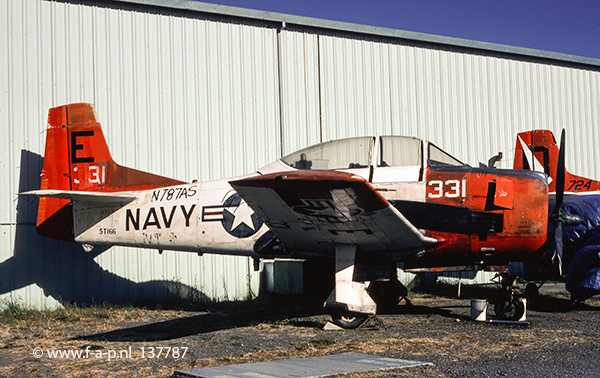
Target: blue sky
point(569, 27)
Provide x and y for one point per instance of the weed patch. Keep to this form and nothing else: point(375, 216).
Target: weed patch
point(323, 341)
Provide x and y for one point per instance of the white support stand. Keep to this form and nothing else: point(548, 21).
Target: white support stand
point(347, 294)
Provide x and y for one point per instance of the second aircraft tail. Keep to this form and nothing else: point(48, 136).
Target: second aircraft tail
point(537, 151)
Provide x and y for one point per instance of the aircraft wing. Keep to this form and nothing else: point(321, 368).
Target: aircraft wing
point(312, 211)
point(118, 197)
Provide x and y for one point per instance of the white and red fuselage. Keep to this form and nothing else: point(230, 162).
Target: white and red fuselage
point(466, 215)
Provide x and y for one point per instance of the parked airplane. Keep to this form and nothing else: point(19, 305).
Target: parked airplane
point(537, 150)
point(367, 202)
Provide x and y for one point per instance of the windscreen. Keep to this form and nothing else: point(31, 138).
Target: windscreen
point(440, 158)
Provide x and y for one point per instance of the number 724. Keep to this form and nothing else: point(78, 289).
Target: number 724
point(578, 185)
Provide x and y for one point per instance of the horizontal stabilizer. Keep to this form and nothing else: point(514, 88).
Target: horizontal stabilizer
point(104, 197)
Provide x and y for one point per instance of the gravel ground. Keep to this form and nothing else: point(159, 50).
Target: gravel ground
point(558, 342)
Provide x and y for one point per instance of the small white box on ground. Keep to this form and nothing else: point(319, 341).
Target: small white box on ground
point(479, 309)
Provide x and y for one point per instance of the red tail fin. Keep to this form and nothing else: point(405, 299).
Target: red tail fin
point(537, 150)
point(77, 158)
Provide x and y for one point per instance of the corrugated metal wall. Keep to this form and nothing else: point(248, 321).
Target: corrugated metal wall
point(186, 97)
point(204, 96)
point(472, 105)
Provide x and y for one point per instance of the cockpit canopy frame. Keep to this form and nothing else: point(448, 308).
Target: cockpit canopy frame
point(374, 156)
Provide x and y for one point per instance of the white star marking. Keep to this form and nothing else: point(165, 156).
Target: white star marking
point(242, 214)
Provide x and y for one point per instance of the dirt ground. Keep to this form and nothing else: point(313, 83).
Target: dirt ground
point(558, 342)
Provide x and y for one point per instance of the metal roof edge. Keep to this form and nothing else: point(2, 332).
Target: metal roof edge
point(363, 29)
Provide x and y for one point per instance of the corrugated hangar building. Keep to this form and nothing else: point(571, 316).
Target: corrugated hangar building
point(200, 91)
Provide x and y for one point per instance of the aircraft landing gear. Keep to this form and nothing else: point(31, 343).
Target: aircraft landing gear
point(388, 293)
point(507, 305)
point(509, 310)
point(349, 302)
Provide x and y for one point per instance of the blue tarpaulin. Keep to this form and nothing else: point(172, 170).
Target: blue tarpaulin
point(582, 246)
point(581, 252)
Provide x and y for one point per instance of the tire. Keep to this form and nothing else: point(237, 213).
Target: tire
point(347, 320)
point(510, 310)
point(531, 292)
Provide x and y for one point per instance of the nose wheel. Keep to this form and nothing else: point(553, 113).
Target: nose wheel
point(512, 309)
point(507, 305)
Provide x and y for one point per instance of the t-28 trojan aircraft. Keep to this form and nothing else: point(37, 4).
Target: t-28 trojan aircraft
point(366, 202)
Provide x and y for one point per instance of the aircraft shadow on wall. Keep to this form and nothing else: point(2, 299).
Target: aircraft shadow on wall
point(64, 270)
